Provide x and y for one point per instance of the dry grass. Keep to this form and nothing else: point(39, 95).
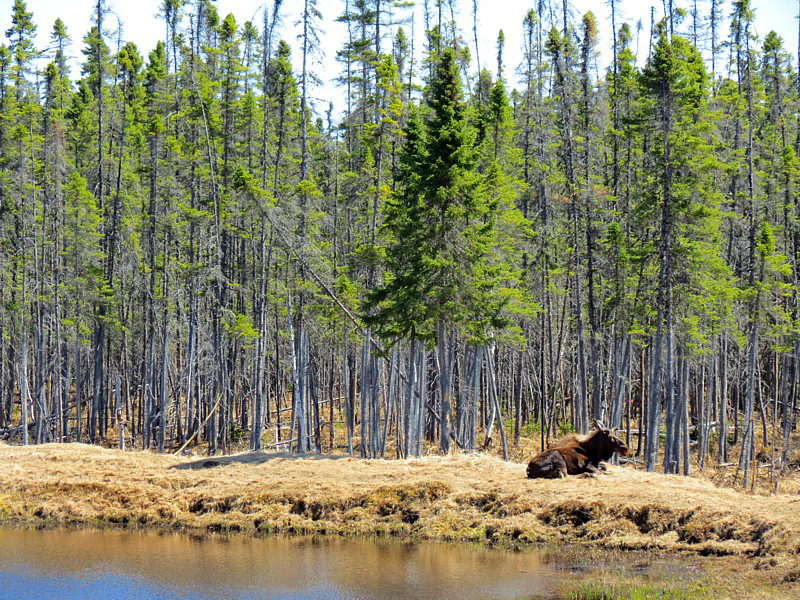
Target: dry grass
point(461, 497)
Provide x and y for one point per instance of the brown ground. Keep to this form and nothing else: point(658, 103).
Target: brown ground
point(461, 497)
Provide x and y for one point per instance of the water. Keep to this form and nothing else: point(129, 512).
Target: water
point(126, 564)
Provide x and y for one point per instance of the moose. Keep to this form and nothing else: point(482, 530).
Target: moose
point(576, 454)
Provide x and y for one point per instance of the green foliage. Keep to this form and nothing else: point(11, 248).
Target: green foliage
point(529, 430)
point(236, 433)
point(609, 591)
point(20, 36)
point(240, 326)
point(445, 261)
point(97, 63)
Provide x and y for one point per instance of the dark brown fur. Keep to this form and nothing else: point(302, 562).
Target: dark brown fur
point(576, 454)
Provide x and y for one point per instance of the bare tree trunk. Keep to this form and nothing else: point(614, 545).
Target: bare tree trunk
point(348, 366)
point(365, 393)
point(120, 425)
point(78, 384)
point(619, 385)
point(445, 355)
point(518, 397)
point(723, 400)
point(497, 412)
point(23, 385)
point(684, 413)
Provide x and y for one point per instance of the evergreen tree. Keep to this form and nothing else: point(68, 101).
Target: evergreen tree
point(20, 37)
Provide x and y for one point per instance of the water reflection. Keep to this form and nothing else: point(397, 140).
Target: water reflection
point(114, 564)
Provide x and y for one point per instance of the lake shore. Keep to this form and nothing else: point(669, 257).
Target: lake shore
point(464, 497)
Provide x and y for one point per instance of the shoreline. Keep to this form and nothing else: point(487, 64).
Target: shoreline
point(559, 571)
point(459, 498)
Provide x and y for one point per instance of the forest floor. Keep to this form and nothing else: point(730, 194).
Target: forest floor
point(750, 539)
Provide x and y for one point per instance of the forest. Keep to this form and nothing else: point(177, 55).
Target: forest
point(197, 253)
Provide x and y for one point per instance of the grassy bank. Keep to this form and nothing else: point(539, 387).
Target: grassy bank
point(464, 497)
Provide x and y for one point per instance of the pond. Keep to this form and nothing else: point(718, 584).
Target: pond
point(131, 564)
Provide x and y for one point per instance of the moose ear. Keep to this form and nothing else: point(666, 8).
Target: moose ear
point(598, 425)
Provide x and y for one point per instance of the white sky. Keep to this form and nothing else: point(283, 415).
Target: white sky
point(141, 25)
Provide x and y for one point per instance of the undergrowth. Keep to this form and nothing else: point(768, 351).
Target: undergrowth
point(619, 591)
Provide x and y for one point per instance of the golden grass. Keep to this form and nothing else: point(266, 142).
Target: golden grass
point(471, 497)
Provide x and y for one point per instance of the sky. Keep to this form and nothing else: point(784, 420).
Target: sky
point(140, 23)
